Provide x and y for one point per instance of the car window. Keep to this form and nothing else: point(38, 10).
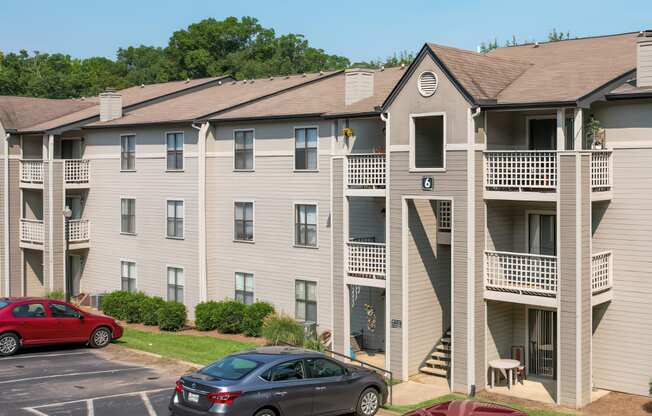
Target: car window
point(3, 303)
point(292, 370)
point(59, 310)
point(321, 367)
point(29, 310)
point(231, 368)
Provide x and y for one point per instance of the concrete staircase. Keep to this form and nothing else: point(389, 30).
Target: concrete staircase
point(440, 359)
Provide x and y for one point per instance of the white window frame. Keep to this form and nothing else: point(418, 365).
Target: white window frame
point(183, 230)
point(253, 155)
point(294, 148)
point(135, 232)
point(135, 151)
point(185, 286)
point(294, 296)
point(294, 223)
point(183, 151)
point(124, 260)
point(253, 278)
point(528, 212)
point(412, 140)
point(253, 219)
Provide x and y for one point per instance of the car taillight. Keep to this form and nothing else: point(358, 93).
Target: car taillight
point(223, 397)
point(179, 387)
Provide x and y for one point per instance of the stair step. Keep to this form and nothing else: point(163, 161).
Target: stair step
point(440, 356)
point(443, 348)
point(446, 340)
point(434, 362)
point(439, 372)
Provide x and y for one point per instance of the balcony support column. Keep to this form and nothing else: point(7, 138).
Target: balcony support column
point(573, 336)
point(561, 129)
point(578, 129)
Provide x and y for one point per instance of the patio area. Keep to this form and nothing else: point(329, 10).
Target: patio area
point(375, 359)
point(539, 389)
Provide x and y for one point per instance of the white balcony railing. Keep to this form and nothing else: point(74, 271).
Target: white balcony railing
point(601, 271)
point(521, 272)
point(366, 260)
point(520, 170)
point(31, 231)
point(31, 171)
point(366, 171)
point(601, 170)
point(79, 231)
point(77, 171)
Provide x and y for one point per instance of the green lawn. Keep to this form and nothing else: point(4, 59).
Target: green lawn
point(195, 349)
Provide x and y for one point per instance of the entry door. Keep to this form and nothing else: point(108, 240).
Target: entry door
point(71, 149)
point(542, 234)
point(543, 134)
point(542, 333)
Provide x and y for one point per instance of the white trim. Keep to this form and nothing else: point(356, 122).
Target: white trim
point(294, 223)
point(202, 137)
point(183, 151)
point(253, 153)
point(253, 219)
point(5, 208)
point(471, 278)
point(388, 240)
point(135, 152)
point(578, 280)
point(294, 296)
point(399, 148)
point(331, 249)
point(135, 232)
point(125, 260)
point(184, 286)
point(50, 150)
point(253, 278)
point(560, 277)
point(365, 282)
point(419, 87)
point(413, 168)
point(183, 231)
point(578, 127)
point(294, 149)
point(561, 129)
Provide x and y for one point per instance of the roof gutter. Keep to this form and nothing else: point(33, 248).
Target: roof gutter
point(526, 106)
point(629, 96)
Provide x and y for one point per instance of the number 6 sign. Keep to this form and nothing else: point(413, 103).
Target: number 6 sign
point(426, 183)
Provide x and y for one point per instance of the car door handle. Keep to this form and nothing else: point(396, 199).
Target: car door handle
point(322, 388)
point(280, 393)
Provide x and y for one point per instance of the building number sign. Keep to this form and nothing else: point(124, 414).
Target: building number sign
point(427, 183)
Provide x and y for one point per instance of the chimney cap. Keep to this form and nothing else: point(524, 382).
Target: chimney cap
point(646, 33)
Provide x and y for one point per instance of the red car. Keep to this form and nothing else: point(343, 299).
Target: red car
point(36, 321)
point(466, 408)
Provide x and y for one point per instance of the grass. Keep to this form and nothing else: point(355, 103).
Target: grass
point(195, 349)
point(401, 409)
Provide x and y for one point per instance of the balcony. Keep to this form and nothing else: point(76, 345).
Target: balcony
point(31, 173)
point(366, 260)
point(601, 277)
point(79, 231)
point(76, 173)
point(534, 174)
point(366, 174)
point(31, 234)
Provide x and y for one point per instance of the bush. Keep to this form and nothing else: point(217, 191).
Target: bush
point(254, 316)
point(172, 316)
point(115, 304)
point(229, 316)
point(279, 329)
point(133, 307)
point(206, 315)
point(149, 310)
point(313, 343)
point(56, 294)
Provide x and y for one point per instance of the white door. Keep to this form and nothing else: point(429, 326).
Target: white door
point(542, 234)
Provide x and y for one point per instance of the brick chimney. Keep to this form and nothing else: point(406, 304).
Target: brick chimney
point(644, 59)
point(110, 105)
point(358, 85)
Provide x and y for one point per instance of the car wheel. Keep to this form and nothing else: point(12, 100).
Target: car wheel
point(369, 403)
point(9, 344)
point(101, 338)
point(265, 412)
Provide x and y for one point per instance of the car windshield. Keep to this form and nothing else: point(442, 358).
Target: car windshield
point(230, 368)
point(3, 303)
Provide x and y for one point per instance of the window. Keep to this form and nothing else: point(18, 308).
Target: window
point(305, 295)
point(291, 370)
point(175, 219)
point(3, 303)
point(244, 221)
point(305, 225)
point(542, 234)
point(29, 310)
point(321, 368)
point(175, 151)
point(244, 288)
point(305, 148)
point(59, 310)
point(175, 284)
point(128, 152)
point(128, 276)
point(128, 216)
point(428, 140)
point(244, 149)
point(230, 368)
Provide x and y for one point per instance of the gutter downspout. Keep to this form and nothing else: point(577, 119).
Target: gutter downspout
point(202, 137)
point(6, 214)
point(384, 117)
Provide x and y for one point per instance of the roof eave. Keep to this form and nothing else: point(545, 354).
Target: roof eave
point(261, 118)
point(628, 96)
point(527, 105)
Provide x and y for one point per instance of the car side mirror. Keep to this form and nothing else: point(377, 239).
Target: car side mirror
point(81, 317)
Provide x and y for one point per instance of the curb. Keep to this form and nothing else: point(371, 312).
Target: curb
point(154, 355)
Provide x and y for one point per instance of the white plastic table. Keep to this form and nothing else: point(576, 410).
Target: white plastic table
point(506, 367)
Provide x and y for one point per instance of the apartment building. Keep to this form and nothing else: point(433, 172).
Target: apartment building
point(433, 217)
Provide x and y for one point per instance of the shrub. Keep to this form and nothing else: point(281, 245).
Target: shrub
point(229, 316)
point(114, 304)
point(279, 329)
point(171, 316)
point(56, 294)
point(149, 310)
point(206, 315)
point(133, 307)
point(253, 318)
point(313, 343)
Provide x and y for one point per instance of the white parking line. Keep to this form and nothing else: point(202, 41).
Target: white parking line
point(90, 411)
point(112, 396)
point(89, 373)
point(22, 357)
point(148, 404)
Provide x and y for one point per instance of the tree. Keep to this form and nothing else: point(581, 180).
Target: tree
point(553, 36)
point(397, 59)
point(484, 47)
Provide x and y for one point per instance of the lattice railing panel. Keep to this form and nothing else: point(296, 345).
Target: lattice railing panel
point(31, 231)
point(521, 272)
point(367, 260)
point(31, 171)
point(601, 271)
point(366, 171)
point(444, 215)
point(520, 170)
point(79, 230)
point(601, 171)
point(77, 170)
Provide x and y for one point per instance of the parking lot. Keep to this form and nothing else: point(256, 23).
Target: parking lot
point(81, 382)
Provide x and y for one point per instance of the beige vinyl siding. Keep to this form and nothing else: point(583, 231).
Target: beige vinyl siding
point(644, 62)
point(622, 338)
point(338, 272)
point(480, 239)
point(15, 267)
point(53, 225)
point(366, 218)
point(151, 186)
point(627, 123)
point(4, 290)
point(274, 187)
point(34, 278)
point(506, 328)
point(32, 147)
point(507, 224)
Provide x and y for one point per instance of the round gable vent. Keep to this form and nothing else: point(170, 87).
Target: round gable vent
point(427, 83)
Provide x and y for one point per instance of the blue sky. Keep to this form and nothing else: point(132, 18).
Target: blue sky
point(360, 29)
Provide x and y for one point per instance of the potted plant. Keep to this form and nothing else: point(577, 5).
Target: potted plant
point(596, 134)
